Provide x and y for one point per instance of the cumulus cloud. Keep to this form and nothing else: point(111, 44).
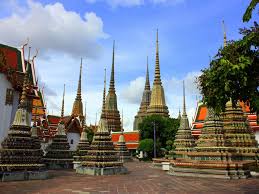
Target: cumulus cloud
point(131, 3)
point(133, 92)
point(52, 28)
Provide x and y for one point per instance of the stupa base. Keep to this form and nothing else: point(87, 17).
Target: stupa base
point(126, 159)
point(221, 170)
point(59, 164)
point(95, 171)
point(23, 175)
point(76, 164)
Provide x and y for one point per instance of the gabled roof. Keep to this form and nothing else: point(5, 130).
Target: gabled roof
point(12, 60)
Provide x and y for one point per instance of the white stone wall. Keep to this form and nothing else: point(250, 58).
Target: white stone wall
point(75, 137)
point(5, 110)
point(257, 136)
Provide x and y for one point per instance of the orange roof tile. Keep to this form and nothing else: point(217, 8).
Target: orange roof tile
point(129, 137)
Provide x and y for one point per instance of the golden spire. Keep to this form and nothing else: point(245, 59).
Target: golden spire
point(112, 82)
point(63, 101)
point(147, 84)
point(79, 82)
point(225, 36)
point(104, 94)
point(157, 68)
point(78, 106)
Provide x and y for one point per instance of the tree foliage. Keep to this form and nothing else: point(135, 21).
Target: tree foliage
point(234, 72)
point(147, 145)
point(248, 14)
point(166, 129)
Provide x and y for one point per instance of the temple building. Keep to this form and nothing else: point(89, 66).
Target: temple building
point(111, 109)
point(157, 104)
point(12, 70)
point(144, 103)
point(21, 154)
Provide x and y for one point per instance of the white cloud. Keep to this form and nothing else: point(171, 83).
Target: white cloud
point(52, 28)
point(133, 92)
point(131, 3)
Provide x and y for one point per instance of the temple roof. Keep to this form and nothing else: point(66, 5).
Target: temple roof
point(13, 65)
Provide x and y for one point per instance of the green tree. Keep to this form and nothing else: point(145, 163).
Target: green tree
point(147, 145)
point(166, 129)
point(234, 71)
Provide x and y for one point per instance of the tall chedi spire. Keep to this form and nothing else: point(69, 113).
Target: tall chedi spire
point(225, 35)
point(83, 145)
point(111, 111)
point(58, 155)
point(184, 141)
point(157, 103)
point(101, 158)
point(63, 102)
point(103, 114)
point(78, 105)
point(21, 155)
point(144, 102)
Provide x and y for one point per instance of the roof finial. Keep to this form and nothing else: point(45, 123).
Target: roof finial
point(225, 36)
point(147, 84)
point(104, 94)
point(157, 68)
point(112, 82)
point(63, 101)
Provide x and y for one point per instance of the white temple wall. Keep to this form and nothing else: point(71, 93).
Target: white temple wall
point(73, 139)
point(5, 110)
point(257, 136)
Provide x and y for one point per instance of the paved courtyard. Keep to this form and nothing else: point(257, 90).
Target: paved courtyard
point(142, 178)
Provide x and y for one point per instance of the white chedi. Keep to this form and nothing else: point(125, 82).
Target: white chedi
point(61, 129)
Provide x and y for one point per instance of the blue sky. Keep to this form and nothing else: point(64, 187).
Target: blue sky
point(189, 32)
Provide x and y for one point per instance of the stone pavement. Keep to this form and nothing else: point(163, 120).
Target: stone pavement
point(141, 179)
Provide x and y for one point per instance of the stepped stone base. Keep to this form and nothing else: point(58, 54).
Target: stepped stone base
point(76, 164)
point(23, 176)
point(223, 170)
point(126, 159)
point(59, 164)
point(95, 171)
